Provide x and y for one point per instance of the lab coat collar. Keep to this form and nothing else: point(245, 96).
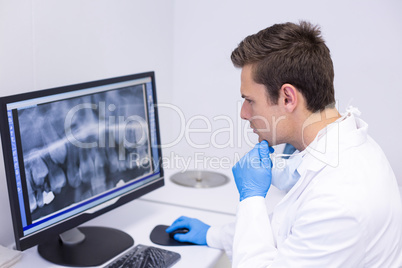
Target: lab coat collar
point(347, 131)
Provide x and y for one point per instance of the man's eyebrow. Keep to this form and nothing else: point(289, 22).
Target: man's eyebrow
point(244, 96)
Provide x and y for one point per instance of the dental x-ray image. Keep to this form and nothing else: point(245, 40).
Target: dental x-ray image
point(83, 146)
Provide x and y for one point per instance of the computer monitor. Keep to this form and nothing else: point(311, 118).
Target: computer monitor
point(73, 153)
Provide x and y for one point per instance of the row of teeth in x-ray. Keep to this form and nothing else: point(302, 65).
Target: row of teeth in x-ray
point(48, 170)
point(58, 162)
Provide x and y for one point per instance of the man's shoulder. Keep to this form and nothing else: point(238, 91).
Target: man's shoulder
point(362, 179)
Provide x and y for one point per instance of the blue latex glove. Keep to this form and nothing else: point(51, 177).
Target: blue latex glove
point(252, 173)
point(197, 233)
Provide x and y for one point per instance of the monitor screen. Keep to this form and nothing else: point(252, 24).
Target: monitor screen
point(75, 152)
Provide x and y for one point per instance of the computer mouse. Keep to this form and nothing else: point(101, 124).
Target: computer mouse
point(159, 236)
point(178, 231)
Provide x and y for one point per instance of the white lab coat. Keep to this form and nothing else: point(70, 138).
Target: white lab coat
point(344, 211)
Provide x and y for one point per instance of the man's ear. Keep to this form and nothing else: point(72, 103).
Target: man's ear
point(289, 97)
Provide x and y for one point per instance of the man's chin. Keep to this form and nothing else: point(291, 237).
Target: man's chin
point(260, 139)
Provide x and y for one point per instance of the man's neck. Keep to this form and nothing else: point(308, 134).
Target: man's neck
point(312, 124)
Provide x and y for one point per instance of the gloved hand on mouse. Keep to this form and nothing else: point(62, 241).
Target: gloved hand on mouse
point(197, 230)
point(252, 175)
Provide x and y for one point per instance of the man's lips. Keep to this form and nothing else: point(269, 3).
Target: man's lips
point(254, 129)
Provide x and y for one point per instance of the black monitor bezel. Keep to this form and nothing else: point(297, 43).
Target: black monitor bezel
point(22, 242)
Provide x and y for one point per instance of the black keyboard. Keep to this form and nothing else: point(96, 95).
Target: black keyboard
point(146, 257)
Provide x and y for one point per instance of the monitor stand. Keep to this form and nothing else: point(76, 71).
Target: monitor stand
point(85, 246)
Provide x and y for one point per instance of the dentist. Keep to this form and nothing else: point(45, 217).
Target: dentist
point(342, 207)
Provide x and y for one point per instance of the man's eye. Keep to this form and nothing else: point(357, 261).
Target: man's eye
point(249, 101)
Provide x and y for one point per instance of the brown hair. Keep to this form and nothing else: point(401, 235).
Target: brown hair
point(294, 54)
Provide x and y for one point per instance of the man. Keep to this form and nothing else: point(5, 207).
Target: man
point(343, 207)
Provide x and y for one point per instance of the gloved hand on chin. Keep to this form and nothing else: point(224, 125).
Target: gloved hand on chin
point(197, 230)
point(252, 173)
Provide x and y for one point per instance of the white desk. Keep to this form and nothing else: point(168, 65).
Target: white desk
point(222, 199)
point(138, 218)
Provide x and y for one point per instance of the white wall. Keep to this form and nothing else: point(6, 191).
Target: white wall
point(188, 43)
point(364, 36)
point(50, 43)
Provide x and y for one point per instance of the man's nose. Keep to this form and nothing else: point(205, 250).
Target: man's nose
point(244, 113)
